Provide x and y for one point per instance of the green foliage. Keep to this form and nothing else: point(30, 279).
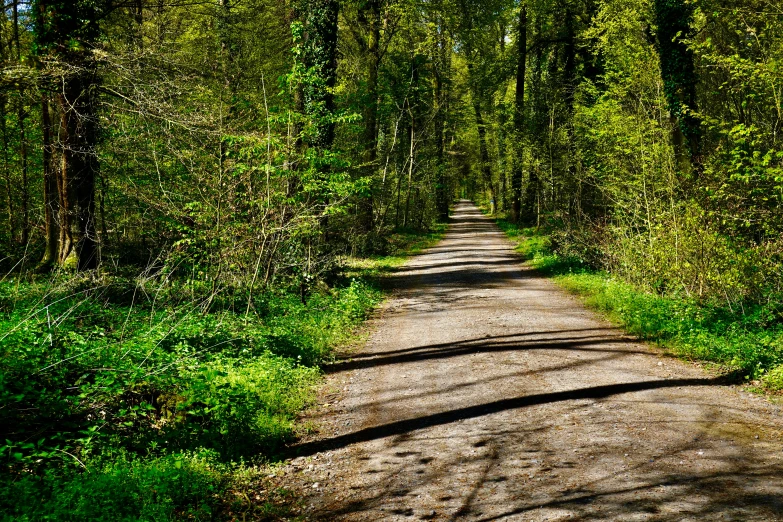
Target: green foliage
point(82, 371)
point(120, 488)
point(132, 400)
point(751, 342)
point(674, 21)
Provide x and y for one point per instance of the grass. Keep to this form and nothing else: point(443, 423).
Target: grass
point(126, 400)
point(750, 342)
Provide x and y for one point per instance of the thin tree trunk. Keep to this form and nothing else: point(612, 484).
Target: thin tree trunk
point(7, 169)
point(531, 202)
point(441, 108)
point(50, 193)
point(25, 181)
point(410, 173)
point(519, 118)
point(501, 137)
point(373, 10)
point(4, 137)
point(22, 137)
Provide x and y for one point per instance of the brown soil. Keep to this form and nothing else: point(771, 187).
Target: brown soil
point(487, 393)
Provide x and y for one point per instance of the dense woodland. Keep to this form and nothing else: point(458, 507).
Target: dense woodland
point(176, 173)
point(250, 142)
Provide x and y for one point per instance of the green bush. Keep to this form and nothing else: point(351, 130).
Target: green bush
point(124, 488)
point(750, 341)
point(242, 408)
point(130, 399)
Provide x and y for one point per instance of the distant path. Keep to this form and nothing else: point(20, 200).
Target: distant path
point(487, 393)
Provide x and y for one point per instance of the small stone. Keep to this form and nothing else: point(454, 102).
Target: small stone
point(316, 485)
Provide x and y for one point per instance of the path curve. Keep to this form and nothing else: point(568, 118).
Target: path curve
point(487, 393)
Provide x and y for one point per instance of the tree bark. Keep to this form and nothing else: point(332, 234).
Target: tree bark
point(78, 241)
point(58, 24)
point(25, 237)
point(319, 18)
point(530, 204)
point(372, 12)
point(441, 112)
point(519, 117)
point(50, 193)
point(4, 137)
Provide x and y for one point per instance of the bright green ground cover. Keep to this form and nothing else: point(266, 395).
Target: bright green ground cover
point(750, 340)
point(126, 400)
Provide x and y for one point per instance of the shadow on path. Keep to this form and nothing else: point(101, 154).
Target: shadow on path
point(470, 412)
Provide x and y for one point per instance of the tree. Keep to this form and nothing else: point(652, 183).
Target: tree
point(519, 115)
point(65, 34)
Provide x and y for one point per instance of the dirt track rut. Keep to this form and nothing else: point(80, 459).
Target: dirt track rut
point(487, 393)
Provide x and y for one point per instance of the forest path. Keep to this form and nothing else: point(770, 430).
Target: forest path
point(487, 393)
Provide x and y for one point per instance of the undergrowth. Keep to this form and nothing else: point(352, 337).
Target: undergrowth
point(148, 400)
point(748, 339)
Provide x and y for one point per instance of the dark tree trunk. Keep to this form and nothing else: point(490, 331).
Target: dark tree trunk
point(78, 134)
point(531, 194)
point(25, 237)
point(519, 118)
point(4, 132)
point(372, 17)
point(441, 112)
point(486, 166)
point(58, 24)
point(50, 193)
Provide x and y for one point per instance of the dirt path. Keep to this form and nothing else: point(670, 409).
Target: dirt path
point(487, 393)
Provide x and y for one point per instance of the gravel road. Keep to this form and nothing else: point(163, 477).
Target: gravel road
point(486, 393)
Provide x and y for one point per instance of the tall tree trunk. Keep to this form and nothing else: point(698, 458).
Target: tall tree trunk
point(78, 240)
point(372, 12)
point(50, 193)
point(411, 157)
point(569, 86)
point(519, 116)
point(58, 25)
point(20, 112)
point(319, 53)
point(531, 195)
point(502, 174)
point(442, 69)
point(25, 180)
point(7, 169)
point(5, 141)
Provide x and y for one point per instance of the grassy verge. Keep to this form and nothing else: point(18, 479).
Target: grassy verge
point(126, 399)
point(750, 341)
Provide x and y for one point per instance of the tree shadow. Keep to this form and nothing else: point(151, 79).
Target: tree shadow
point(486, 345)
point(436, 419)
